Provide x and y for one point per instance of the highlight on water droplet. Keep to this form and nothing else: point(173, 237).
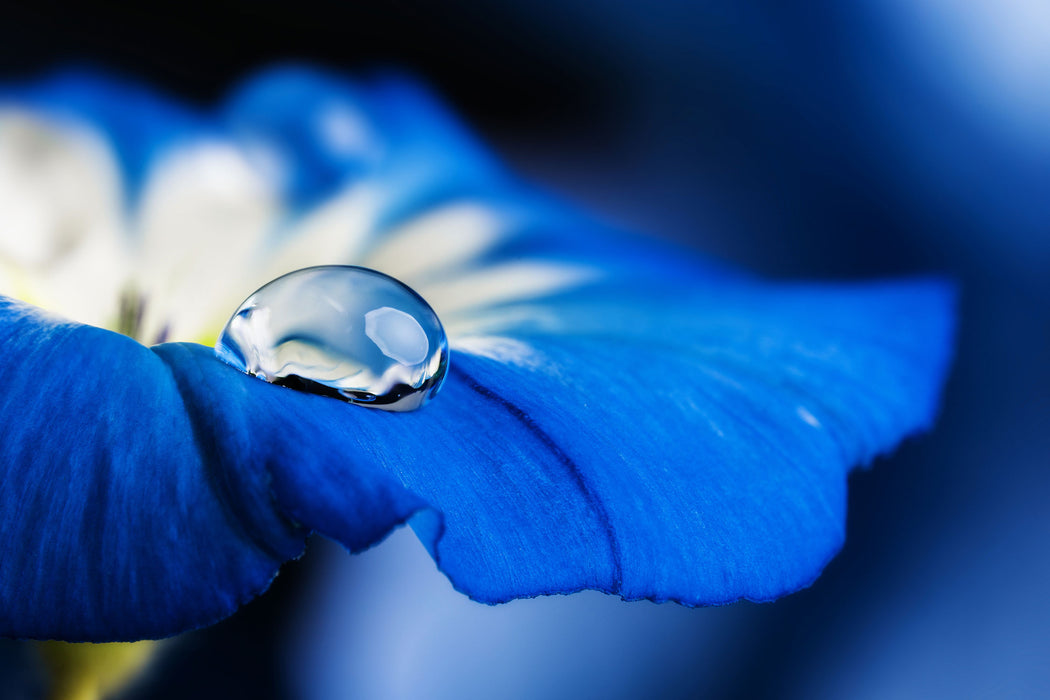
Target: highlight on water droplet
point(341, 331)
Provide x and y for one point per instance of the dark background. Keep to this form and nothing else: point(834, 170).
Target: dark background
point(836, 142)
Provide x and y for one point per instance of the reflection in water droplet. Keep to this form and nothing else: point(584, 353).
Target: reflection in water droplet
point(347, 332)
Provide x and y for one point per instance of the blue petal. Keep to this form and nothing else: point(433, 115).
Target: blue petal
point(701, 461)
point(328, 132)
point(698, 458)
point(412, 148)
point(120, 519)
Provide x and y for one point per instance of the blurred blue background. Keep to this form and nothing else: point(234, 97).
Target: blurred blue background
point(849, 140)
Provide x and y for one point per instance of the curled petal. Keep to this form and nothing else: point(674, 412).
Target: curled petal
point(120, 520)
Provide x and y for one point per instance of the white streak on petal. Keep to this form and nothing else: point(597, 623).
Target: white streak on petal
point(205, 212)
point(449, 236)
point(347, 132)
point(508, 282)
point(500, 319)
point(807, 417)
point(61, 230)
point(501, 349)
point(332, 234)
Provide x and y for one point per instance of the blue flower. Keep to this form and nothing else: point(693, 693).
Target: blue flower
point(619, 415)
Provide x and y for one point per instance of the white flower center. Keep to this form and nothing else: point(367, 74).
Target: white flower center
point(61, 228)
point(210, 228)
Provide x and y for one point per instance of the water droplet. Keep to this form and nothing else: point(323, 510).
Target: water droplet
point(347, 332)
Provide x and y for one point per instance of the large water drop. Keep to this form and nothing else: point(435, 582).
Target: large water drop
point(347, 332)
